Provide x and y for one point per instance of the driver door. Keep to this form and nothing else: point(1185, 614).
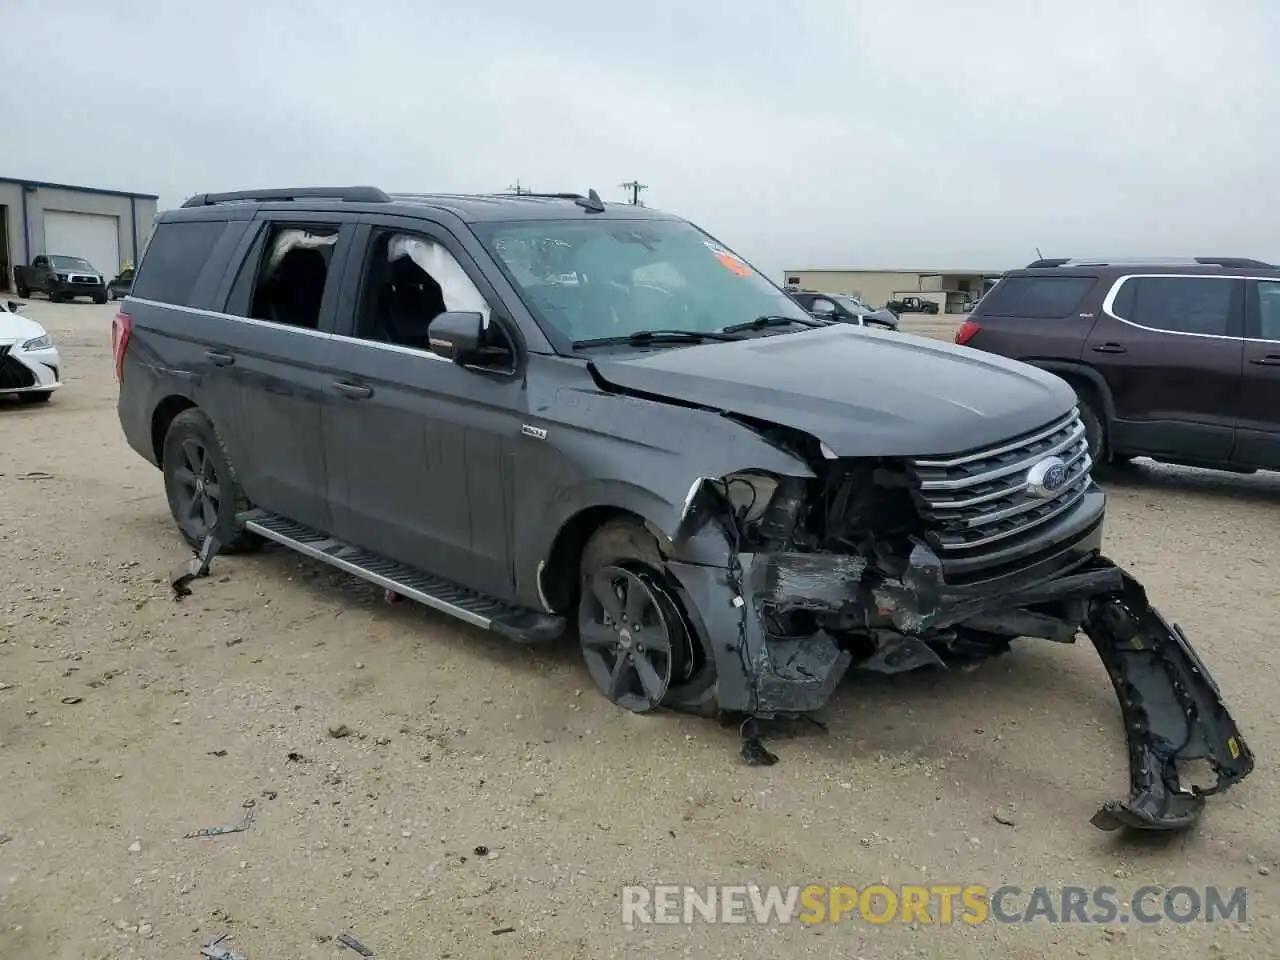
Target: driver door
point(418, 447)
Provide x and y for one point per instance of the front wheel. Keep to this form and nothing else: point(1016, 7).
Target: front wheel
point(636, 638)
point(37, 396)
point(24, 293)
point(201, 486)
point(100, 298)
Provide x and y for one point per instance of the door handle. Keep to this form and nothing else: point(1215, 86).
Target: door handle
point(1270, 360)
point(219, 359)
point(353, 391)
point(1110, 348)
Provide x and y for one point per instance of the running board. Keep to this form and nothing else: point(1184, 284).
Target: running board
point(516, 623)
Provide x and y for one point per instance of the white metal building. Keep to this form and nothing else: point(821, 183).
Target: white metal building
point(106, 227)
point(952, 290)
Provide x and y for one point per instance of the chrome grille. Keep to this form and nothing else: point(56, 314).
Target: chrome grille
point(981, 498)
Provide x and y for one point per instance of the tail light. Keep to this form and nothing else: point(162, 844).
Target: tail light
point(968, 330)
point(121, 328)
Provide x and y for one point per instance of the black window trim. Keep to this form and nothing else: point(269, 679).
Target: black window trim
point(1235, 328)
point(1253, 311)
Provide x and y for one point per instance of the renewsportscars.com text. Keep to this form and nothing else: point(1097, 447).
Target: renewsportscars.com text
point(932, 904)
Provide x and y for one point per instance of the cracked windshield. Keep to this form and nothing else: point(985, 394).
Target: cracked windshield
point(614, 278)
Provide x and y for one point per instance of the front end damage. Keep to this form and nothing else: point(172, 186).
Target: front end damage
point(850, 568)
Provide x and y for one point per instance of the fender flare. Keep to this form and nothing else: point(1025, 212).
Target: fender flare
point(1068, 369)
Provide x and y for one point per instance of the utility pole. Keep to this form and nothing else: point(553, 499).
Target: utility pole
point(634, 187)
point(516, 188)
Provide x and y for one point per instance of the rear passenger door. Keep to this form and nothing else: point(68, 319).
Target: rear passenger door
point(278, 356)
point(1258, 438)
point(1170, 348)
point(418, 446)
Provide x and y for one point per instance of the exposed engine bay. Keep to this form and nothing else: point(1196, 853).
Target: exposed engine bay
point(844, 569)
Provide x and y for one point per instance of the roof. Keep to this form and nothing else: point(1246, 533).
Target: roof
point(508, 206)
point(47, 185)
point(932, 272)
point(470, 208)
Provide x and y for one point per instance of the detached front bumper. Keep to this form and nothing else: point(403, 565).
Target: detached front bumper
point(1172, 709)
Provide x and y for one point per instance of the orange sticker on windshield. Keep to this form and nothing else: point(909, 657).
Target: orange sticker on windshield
point(733, 263)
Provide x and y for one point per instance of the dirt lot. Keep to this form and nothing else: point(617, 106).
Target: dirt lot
point(459, 741)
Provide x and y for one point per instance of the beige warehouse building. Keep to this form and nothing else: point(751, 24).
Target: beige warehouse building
point(952, 290)
point(109, 228)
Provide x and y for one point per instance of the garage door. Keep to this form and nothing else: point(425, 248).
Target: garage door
point(92, 236)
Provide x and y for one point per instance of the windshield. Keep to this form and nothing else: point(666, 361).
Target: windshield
point(70, 263)
point(611, 278)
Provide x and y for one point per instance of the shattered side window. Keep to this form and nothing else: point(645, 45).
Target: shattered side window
point(459, 293)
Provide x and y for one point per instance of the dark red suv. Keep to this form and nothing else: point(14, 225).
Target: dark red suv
point(1178, 360)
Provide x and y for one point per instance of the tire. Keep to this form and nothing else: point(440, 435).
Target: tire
point(100, 298)
point(38, 396)
point(55, 297)
point(24, 293)
point(627, 543)
point(1095, 430)
point(192, 449)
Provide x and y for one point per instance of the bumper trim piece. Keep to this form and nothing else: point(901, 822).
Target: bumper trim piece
point(1172, 709)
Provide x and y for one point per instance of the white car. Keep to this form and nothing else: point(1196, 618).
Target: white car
point(29, 363)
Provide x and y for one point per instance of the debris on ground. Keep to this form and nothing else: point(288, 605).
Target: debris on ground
point(135, 847)
point(212, 951)
point(753, 749)
point(347, 940)
point(338, 731)
point(71, 701)
point(239, 827)
point(502, 930)
point(1003, 815)
point(197, 566)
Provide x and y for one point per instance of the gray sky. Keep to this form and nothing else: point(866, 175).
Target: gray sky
point(831, 133)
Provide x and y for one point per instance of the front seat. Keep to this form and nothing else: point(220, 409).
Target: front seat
point(412, 300)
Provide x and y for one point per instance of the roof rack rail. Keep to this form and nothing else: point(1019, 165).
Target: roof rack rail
point(591, 202)
point(1230, 262)
point(345, 194)
point(1227, 263)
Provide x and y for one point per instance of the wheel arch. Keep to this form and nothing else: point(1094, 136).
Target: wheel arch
point(163, 415)
point(1081, 375)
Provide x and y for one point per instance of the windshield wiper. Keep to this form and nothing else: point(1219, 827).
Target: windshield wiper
point(641, 337)
point(761, 323)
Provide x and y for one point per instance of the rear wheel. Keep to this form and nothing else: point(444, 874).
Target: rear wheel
point(201, 486)
point(636, 637)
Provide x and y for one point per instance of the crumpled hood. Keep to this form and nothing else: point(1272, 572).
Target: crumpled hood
point(862, 392)
point(18, 329)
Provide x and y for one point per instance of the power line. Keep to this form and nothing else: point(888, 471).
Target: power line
point(634, 187)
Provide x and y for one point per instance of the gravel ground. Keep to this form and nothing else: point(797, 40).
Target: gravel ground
point(183, 713)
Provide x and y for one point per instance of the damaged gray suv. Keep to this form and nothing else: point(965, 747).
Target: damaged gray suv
point(546, 416)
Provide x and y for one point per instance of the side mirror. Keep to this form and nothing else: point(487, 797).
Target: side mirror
point(457, 336)
point(15, 306)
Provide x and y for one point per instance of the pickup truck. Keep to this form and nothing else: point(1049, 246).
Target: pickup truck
point(60, 278)
point(912, 305)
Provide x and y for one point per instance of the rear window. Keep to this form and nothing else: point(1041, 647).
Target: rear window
point(1036, 298)
point(173, 260)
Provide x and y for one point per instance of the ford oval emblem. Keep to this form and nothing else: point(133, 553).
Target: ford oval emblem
point(1047, 478)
